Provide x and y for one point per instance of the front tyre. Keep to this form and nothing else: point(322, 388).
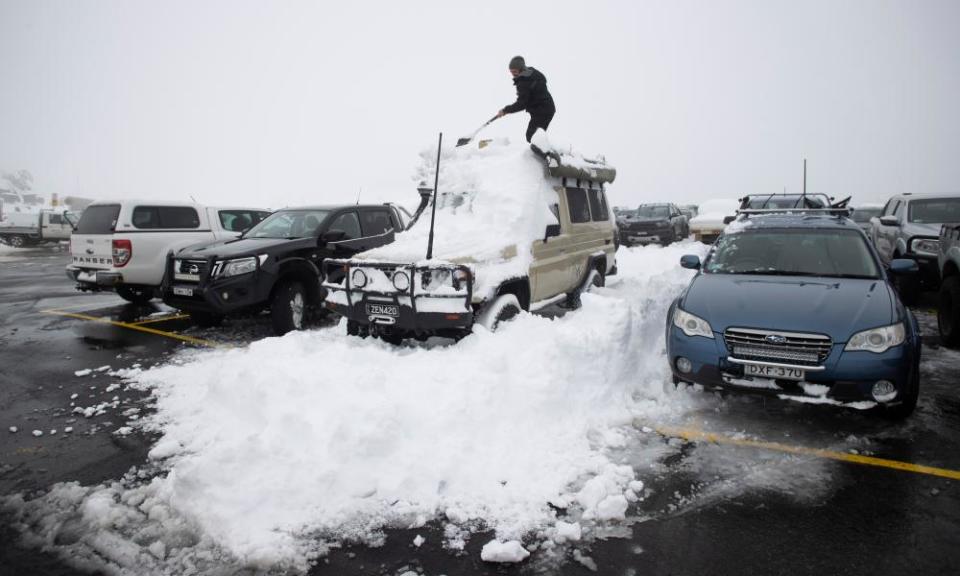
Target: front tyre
point(135, 295)
point(503, 309)
point(288, 308)
point(948, 313)
point(595, 279)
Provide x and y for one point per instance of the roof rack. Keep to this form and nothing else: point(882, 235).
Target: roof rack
point(839, 209)
point(833, 210)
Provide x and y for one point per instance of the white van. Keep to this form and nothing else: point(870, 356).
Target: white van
point(123, 245)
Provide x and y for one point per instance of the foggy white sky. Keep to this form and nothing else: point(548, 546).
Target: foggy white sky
point(283, 103)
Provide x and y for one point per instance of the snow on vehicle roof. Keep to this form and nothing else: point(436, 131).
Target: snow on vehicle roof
point(715, 210)
point(494, 201)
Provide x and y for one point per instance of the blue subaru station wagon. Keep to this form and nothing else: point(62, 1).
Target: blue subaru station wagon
point(797, 305)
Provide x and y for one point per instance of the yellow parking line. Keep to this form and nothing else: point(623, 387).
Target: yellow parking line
point(697, 435)
point(160, 319)
point(182, 338)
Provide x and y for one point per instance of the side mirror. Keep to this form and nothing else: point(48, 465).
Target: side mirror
point(333, 236)
point(888, 221)
point(552, 230)
point(904, 266)
point(728, 219)
point(690, 261)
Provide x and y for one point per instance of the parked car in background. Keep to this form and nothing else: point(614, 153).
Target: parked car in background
point(653, 224)
point(708, 224)
point(30, 228)
point(948, 311)
point(689, 210)
point(863, 213)
point(123, 245)
point(797, 306)
point(909, 227)
point(276, 264)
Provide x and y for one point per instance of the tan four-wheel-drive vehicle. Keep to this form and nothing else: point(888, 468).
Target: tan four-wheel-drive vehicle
point(513, 228)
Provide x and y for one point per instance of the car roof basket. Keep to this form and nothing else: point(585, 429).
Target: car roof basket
point(839, 209)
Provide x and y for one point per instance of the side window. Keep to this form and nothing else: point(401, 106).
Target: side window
point(56, 219)
point(899, 211)
point(598, 206)
point(147, 217)
point(375, 222)
point(579, 207)
point(890, 207)
point(179, 217)
point(349, 224)
point(240, 220)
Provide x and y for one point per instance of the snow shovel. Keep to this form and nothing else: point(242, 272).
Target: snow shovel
point(465, 141)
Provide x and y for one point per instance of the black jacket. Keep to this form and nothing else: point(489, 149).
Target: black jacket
point(532, 94)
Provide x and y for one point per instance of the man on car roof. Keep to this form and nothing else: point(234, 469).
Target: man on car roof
point(532, 96)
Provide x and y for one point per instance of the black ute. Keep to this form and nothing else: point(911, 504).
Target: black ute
point(276, 264)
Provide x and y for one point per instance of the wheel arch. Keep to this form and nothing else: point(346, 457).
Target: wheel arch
point(519, 287)
point(950, 268)
point(299, 271)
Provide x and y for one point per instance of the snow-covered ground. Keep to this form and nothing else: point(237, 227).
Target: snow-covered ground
point(271, 453)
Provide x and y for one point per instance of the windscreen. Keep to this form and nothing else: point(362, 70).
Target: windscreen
point(653, 212)
point(863, 215)
point(935, 211)
point(289, 224)
point(798, 252)
point(99, 219)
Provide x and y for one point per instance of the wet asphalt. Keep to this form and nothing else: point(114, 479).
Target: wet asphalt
point(708, 508)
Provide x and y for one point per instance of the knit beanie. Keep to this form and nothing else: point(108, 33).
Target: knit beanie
point(517, 63)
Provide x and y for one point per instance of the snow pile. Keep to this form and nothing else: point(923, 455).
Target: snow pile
point(271, 454)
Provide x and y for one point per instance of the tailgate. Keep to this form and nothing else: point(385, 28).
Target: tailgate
point(93, 251)
point(91, 245)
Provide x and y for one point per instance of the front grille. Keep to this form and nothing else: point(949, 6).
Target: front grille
point(783, 347)
point(189, 270)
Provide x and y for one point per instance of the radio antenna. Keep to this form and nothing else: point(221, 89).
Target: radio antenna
point(359, 192)
point(433, 211)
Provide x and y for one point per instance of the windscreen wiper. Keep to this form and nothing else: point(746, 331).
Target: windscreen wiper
point(774, 273)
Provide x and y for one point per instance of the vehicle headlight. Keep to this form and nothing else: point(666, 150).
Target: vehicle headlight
point(238, 267)
point(877, 340)
point(691, 325)
point(401, 281)
point(925, 246)
point(459, 277)
point(435, 278)
point(358, 278)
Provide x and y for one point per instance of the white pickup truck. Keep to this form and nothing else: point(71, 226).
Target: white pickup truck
point(123, 245)
point(20, 229)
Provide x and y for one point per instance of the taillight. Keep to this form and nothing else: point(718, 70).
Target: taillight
point(122, 251)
